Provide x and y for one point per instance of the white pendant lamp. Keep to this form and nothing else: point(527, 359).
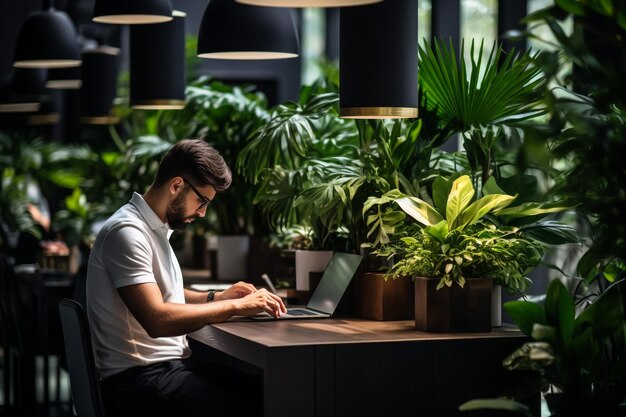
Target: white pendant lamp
point(309, 3)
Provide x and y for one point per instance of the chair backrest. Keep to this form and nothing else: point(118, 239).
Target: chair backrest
point(10, 306)
point(80, 361)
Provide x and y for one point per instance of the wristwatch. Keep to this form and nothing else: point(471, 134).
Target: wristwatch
point(210, 296)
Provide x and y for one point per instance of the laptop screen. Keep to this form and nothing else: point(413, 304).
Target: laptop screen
point(334, 282)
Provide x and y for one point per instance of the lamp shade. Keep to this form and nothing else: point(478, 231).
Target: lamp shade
point(99, 85)
point(378, 60)
point(230, 30)
point(47, 39)
point(308, 3)
point(132, 12)
point(157, 65)
point(64, 78)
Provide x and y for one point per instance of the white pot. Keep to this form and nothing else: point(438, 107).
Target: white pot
point(232, 257)
point(496, 306)
point(310, 261)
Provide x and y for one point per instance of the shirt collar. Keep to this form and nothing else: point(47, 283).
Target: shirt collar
point(148, 214)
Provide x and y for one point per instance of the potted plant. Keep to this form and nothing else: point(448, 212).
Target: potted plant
point(581, 356)
point(458, 251)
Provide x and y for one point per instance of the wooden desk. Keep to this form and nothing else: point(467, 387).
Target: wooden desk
point(354, 367)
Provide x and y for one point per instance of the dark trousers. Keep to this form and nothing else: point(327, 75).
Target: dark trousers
point(182, 388)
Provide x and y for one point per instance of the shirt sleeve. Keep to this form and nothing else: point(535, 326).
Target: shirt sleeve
point(128, 257)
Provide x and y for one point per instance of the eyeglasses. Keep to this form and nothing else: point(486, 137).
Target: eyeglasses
point(205, 201)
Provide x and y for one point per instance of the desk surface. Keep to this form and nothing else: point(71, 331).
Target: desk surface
point(283, 333)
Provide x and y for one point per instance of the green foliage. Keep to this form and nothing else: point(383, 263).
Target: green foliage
point(317, 170)
point(458, 242)
point(507, 91)
point(587, 119)
point(478, 251)
point(14, 206)
point(77, 218)
point(583, 356)
point(485, 101)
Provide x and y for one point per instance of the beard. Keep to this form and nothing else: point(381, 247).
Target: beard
point(175, 214)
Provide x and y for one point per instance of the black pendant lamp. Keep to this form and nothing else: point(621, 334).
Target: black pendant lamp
point(308, 3)
point(47, 39)
point(132, 12)
point(230, 30)
point(64, 78)
point(99, 85)
point(378, 60)
point(157, 65)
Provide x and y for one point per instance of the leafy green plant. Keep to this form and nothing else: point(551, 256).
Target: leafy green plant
point(76, 220)
point(586, 131)
point(457, 240)
point(14, 206)
point(482, 100)
point(582, 356)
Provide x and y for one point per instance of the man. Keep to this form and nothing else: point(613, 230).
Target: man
point(137, 306)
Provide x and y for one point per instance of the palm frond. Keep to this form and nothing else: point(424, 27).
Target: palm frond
point(496, 90)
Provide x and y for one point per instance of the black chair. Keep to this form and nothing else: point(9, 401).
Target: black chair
point(11, 338)
point(80, 361)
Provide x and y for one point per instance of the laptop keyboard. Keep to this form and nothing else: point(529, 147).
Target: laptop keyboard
point(299, 312)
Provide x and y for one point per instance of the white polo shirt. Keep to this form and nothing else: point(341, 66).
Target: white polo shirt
point(131, 248)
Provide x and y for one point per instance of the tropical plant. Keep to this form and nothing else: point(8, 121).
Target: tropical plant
point(459, 239)
point(14, 214)
point(586, 134)
point(485, 101)
point(224, 116)
point(582, 357)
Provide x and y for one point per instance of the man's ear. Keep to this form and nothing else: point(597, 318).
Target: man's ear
point(175, 185)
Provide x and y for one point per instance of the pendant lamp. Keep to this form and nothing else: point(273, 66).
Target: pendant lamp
point(378, 60)
point(132, 12)
point(230, 30)
point(308, 3)
point(157, 65)
point(99, 85)
point(47, 39)
point(64, 78)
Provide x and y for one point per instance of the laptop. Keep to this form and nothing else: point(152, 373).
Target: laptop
point(328, 293)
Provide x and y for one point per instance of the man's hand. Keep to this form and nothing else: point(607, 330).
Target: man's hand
point(258, 302)
point(238, 290)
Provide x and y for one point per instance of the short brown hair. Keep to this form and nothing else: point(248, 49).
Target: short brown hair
point(196, 160)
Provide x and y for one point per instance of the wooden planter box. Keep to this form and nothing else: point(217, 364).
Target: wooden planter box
point(453, 309)
point(378, 299)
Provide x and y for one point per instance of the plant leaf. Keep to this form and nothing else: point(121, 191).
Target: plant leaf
point(421, 211)
point(461, 193)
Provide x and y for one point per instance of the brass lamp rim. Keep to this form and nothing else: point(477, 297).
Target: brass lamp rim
point(162, 104)
point(43, 119)
point(99, 120)
point(378, 112)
